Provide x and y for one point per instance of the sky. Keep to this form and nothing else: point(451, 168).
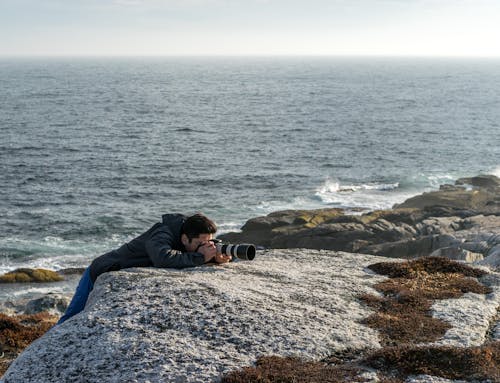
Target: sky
point(250, 27)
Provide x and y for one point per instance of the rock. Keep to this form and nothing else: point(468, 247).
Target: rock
point(71, 271)
point(330, 236)
point(457, 253)
point(493, 259)
point(262, 230)
point(30, 275)
point(412, 248)
point(458, 198)
point(482, 223)
point(339, 232)
point(54, 304)
point(482, 198)
point(490, 182)
point(196, 324)
point(477, 310)
point(13, 307)
point(452, 217)
point(439, 225)
point(403, 215)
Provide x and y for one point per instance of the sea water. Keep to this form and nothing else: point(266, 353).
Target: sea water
point(94, 150)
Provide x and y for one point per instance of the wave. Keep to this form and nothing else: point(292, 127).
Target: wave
point(382, 195)
point(53, 252)
point(352, 197)
point(331, 186)
point(369, 195)
point(496, 171)
point(435, 181)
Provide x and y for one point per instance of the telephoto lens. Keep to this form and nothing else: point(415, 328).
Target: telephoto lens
point(241, 251)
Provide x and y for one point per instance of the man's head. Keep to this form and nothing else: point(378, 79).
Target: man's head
point(197, 230)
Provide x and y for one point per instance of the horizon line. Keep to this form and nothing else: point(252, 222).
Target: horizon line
point(250, 55)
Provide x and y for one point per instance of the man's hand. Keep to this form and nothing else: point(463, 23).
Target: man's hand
point(222, 258)
point(209, 251)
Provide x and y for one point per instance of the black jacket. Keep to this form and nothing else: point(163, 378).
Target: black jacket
point(160, 246)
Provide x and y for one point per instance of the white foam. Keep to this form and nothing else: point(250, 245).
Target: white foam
point(437, 180)
point(370, 195)
point(229, 226)
point(266, 207)
point(52, 263)
point(53, 252)
point(329, 186)
point(496, 171)
point(332, 186)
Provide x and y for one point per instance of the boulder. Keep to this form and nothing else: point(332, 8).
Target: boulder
point(456, 198)
point(489, 181)
point(412, 248)
point(51, 303)
point(13, 307)
point(72, 271)
point(439, 225)
point(193, 325)
point(262, 230)
point(329, 229)
point(490, 223)
point(457, 253)
point(482, 197)
point(54, 304)
point(492, 257)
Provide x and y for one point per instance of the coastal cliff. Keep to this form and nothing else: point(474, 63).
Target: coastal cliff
point(209, 323)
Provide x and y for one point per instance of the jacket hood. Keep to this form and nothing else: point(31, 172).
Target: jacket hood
point(173, 219)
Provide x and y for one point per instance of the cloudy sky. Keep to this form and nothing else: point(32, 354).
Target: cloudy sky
point(250, 27)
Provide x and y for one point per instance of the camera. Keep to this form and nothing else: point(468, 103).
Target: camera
point(243, 251)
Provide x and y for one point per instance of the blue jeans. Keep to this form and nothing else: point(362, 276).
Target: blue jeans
point(82, 292)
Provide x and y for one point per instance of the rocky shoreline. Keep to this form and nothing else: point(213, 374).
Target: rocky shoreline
point(460, 221)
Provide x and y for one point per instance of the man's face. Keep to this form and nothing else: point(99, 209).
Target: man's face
point(195, 242)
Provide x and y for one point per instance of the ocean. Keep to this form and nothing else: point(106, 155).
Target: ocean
point(94, 150)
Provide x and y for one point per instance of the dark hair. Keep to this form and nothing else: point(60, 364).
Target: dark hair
point(198, 224)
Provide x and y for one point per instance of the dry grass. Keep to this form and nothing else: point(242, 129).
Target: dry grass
point(425, 265)
point(275, 369)
point(405, 319)
point(433, 286)
point(17, 332)
point(473, 363)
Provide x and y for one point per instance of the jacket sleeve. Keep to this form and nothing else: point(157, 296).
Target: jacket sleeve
point(160, 251)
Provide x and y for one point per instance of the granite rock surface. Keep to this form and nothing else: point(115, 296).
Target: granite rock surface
point(193, 325)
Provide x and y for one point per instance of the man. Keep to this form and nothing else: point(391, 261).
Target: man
point(176, 242)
